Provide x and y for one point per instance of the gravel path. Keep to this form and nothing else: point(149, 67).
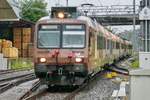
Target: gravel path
point(53, 96)
point(100, 89)
point(16, 92)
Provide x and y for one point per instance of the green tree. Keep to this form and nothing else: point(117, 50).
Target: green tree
point(33, 10)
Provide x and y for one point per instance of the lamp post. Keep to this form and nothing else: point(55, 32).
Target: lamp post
point(67, 3)
point(134, 22)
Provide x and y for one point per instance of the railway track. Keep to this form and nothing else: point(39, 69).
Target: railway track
point(83, 86)
point(113, 68)
point(29, 95)
point(11, 71)
point(65, 96)
point(70, 96)
point(11, 75)
point(4, 86)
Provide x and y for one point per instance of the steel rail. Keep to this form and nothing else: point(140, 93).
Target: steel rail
point(12, 71)
point(111, 67)
point(83, 86)
point(16, 82)
point(29, 94)
point(14, 77)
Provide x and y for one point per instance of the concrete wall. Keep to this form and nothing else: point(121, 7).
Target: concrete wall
point(3, 62)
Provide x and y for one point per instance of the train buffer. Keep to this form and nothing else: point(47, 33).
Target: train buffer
point(121, 93)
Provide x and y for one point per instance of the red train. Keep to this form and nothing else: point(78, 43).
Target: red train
point(68, 50)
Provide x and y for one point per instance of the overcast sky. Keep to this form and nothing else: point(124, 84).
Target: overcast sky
point(97, 3)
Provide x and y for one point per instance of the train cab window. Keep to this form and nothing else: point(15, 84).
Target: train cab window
point(49, 36)
point(73, 36)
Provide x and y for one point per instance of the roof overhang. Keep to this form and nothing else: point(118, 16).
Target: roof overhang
point(15, 23)
point(7, 10)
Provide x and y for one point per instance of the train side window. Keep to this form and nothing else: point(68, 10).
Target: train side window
point(104, 45)
point(112, 44)
point(117, 45)
point(108, 44)
point(100, 42)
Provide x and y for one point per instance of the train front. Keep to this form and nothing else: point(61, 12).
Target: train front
point(60, 53)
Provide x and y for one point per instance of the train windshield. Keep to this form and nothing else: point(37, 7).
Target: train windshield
point(73, 36)
point(49, 36)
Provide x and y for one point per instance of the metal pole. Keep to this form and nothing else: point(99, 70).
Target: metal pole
point(145, 35)
point(67, 3)
point(146, 30)
point(134, 33)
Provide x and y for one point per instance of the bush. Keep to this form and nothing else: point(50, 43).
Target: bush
point(135, 64)
point(21, 63)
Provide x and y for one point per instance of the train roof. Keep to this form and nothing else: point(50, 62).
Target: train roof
point(44, 18)
point(89, 21)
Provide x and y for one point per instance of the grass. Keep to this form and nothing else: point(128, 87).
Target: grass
point(135, 64)
point(21, 63)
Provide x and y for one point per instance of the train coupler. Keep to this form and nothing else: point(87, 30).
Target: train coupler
point(48, 75)
point(60, 71)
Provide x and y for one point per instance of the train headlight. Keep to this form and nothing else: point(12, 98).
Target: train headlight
point(42, 60)
point(78, 60)
point(61, 15)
